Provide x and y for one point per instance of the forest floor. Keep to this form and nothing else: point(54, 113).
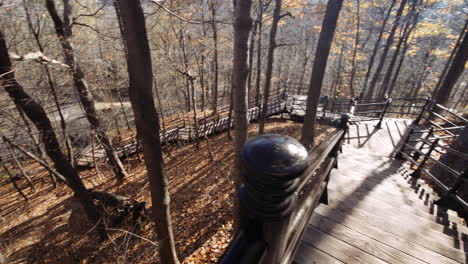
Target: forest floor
point(42, 231)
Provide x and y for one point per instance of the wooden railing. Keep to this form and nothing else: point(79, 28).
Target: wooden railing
point(283, 184)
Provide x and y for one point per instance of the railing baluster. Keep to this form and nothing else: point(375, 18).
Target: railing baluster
point(379, 124)
point(325, 107)
point(417, 172)
point(426, 104)
point(416, 154)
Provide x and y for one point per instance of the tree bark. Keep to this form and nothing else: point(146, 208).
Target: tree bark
point(37, 115)
point(356, 44)
point(147, 121)
point(387, 47)
point(214, 99)
point(318, 71)
point(454, 72)
point(64, 32)
point(259, 52)
point(449, 60)
point(376, 48)
point(240, 70)
point(270, 61)
point(404, 36)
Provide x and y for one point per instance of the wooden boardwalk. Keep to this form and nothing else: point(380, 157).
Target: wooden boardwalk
point(374, 214)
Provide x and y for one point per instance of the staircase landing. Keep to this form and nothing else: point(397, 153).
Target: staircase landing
point(375, 213)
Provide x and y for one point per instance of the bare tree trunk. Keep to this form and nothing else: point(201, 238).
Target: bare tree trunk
point(356, 44)
point(259, 52)
point(402, 59)
point(454, 72)
point(147, 122)
point(449, 60)
point(52, 86)
point(251, 56)
point(240, 70)
point(403, 37)
point(376, 48)
point(63, 31)
point(318, 72)
point(387, 47)
point(214, 99)
point(270, 61)
point(37, 115)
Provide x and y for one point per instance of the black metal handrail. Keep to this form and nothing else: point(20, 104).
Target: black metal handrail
point(283, 183)
point(413, 154)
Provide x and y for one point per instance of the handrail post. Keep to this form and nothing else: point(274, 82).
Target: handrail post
point(353, 106)
point(417, 172)
point(325, 107)
point(271, 169)
point(458, 182)
point(426, 104)
point(399, 155)
point(379, 124)
point(416, 154)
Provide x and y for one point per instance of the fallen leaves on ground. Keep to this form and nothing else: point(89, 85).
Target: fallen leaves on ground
point(201, 191)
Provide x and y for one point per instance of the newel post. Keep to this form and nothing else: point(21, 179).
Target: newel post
point(272, 166)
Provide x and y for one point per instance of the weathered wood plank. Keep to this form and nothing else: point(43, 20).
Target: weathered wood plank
point(337, 248)
point(367, 244)
point(429, 252)
point(394, 213)
point(307, 254)
point(404, 228)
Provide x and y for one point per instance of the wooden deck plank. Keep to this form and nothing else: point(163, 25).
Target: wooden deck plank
point(307, 254)
point(393, 212)
point(422, 206)
point(369, 245)
point(428, 252)
point(337, 248)
point(408, 230)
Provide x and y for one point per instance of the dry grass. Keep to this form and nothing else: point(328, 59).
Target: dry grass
point(201, 200)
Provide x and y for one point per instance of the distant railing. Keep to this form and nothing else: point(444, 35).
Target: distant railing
point(283, 184)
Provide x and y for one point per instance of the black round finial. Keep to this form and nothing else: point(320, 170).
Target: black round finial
point(271, 167)
point(344, 119)
point(276, 155)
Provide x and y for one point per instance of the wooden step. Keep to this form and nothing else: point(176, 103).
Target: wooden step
point(424, 249)
point(383, 218)
point(337, 248)
point(395, 214)
point(410, 203)
point(307, 254)
point(360, 240)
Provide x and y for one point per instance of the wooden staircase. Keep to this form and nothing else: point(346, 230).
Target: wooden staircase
point(376, 213)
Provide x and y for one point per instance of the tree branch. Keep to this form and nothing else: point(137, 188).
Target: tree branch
point(196, 22)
